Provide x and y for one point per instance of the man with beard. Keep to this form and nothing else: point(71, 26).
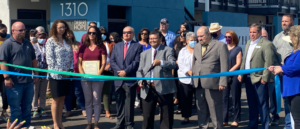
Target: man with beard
point(19, 89)
point(284, 48)
point(210, 56)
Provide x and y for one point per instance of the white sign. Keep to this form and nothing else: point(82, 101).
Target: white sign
point(69, 11)
point(242, 33)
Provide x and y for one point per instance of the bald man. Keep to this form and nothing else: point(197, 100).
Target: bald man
point(264, 34)
point(19, 89)
point(210, 56)
point(125, 59)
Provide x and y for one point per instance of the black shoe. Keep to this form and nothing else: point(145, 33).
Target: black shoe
point(275, 122)
point(184, 122)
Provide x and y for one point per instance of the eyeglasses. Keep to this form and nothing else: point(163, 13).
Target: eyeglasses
point(127, 32)
point(22, 30)
point(92, 33)
point(62, 28)
point(228, 37)
point(144, 33)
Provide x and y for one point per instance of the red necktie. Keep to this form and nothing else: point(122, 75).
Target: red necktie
point(125, 50)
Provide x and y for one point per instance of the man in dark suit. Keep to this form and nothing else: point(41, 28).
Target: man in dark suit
point(161, 91)
point(125, 60)
point(259, 53)
point(210, 56)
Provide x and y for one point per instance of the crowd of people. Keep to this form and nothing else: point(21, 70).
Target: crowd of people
point(154, 54)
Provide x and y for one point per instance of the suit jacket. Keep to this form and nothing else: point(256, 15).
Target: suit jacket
point(262, 57)
point(166, 54)
point(214, 60)
point(130, 64)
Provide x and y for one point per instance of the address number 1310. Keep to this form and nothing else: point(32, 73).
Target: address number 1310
point(70, 10)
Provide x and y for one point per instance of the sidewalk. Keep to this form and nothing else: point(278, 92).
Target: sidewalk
point(77, 121)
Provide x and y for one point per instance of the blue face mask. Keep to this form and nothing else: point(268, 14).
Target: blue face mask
point(103, 37)
point(192, 44)
point(41, 41)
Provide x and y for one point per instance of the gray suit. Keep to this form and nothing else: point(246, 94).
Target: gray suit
point(209, 98)
point(162, 87)
point(162, 91)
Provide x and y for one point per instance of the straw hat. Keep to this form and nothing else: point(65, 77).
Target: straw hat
point(214, 27)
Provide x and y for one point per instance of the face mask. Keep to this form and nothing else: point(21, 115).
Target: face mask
point(3, 35)
point(215, 35)
point(41, 41)
point(192, 44)
point(228, 40)
point(33, 39)
point(112, 40)
point(103, 37)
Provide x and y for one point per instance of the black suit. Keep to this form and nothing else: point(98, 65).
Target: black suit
point(125, 90)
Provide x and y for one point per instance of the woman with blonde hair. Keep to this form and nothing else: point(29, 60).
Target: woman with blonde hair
point(290, 71)
point(59, 57)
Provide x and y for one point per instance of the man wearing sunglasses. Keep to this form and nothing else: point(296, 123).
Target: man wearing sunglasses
point(19, 89)
point(125, 59)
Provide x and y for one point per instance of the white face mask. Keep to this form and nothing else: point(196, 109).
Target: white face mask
point(33, 39)
point(41, 41)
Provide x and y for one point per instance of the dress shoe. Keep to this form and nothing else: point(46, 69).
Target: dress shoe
point(225, 124)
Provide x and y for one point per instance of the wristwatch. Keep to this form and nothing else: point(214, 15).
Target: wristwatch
point(7, 78)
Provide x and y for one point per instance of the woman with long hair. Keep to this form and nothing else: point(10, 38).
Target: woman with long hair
point(234, 86)
point(76, 88)
point(92, 50)
point(59, 57)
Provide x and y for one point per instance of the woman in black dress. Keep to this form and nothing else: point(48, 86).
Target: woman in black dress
point(235, 59)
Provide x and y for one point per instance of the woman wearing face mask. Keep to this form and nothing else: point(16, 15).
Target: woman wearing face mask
point(107, 71)
point(40, 87)
point(32, 36)
point(75, 88)
point(235, 59)
point(186, 88)
point(4, 115)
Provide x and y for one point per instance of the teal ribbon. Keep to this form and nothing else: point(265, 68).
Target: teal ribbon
point(278, 93)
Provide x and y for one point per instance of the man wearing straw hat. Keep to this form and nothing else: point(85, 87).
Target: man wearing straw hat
point(215, 31)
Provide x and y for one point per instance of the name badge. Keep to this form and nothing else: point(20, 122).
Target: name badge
point(257, 47)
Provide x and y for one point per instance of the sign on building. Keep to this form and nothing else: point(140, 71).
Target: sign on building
point(77, 25)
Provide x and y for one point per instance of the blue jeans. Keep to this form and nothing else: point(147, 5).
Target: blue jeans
point(19, 98)
point(77, 89)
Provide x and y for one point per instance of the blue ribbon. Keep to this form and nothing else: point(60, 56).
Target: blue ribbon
point(278, 94)
point(222, 74)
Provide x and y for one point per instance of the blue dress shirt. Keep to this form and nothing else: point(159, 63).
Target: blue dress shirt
point(222, 38)
point(170, 38)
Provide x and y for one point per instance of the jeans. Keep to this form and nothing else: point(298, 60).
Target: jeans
point(77, 89)
point(19, 99)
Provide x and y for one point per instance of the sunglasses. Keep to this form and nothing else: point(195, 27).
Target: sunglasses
point(228, 37)
point(92, 33)
point(144, 33)
point(127, 32)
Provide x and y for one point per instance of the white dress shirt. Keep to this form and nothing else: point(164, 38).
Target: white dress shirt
point(251, 48)
point(128, 43)
point(161, 62)
point(185, 61)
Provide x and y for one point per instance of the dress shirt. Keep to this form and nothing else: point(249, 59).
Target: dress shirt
point(205, 47)
point(185, 61)
point(170, 38)
point(250, 51)
point(161, 62)
point(222, 38)
point(128, 43)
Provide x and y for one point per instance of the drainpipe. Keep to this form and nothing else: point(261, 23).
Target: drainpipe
point(206, 5)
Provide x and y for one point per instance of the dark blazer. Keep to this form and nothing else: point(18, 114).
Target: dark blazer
point(131, 63)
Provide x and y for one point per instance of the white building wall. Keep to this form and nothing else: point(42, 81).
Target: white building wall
point(5, 14)
point(27, 4)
